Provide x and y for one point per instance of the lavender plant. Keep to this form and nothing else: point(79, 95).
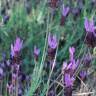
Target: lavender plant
point(36, 36)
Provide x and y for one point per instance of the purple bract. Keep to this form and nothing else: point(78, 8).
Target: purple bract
point(52, 41)
point(16, 47)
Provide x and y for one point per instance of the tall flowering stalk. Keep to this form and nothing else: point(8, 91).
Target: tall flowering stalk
point(68, 72)
point(15, 67)
point(52, 41)
point(52, 45)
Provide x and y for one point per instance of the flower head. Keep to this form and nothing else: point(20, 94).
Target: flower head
point(65, 10)
point(83, 74)
point(68, 80)
point(36, 51)
point(52, 41)
point(87, 60)
point(16, 47)
point(89, 25)
point(69, 66)
point(90, 38)
point(69, 72)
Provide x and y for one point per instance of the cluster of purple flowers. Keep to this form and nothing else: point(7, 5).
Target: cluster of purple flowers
point(15, 72)
point(68, 72)
point(17, 77)
point(66, 9)
point(11, 68)
point(69, 69)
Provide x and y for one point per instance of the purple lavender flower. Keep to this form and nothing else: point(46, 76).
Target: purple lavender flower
point(69, 68)
point(83, 74)
point(52, 45)
point(68, 80)
point(90, 37)
point(65, 10)
point(64, 14)
point(89, 25)
point(87, 60)
point(36, 52)
point(68, 72)
point(16, 47)
point(52, 41)
point(73, 64)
